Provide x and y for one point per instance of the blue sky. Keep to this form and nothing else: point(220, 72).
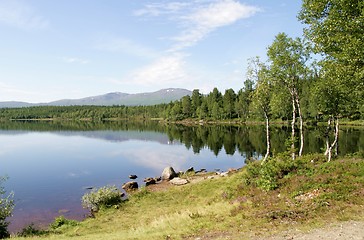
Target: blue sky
point(52, 50)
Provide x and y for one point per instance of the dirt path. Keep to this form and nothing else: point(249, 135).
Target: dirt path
point(351, 230)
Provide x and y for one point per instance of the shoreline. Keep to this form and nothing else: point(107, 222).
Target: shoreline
point(216, 208)
point(193, 122)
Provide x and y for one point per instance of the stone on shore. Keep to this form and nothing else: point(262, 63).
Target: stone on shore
point(178, 181)
point(129, 186)
point(149, 181)
point(190, 170)
point(168, 173)
point(132, 176)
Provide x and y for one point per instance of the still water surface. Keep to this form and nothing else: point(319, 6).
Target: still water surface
point(50, 165)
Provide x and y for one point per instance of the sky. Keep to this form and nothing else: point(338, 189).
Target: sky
point(51, 50)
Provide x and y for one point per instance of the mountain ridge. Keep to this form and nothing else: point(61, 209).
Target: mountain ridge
point(112, 98)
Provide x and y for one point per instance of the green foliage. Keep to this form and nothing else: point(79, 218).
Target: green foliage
point(266, 176)
point(30, 231)
point(336, 30)
point(6, 209)
point(62, 221)
point(4, 229)
point(104, 197)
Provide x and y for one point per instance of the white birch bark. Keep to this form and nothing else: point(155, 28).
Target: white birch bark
point(336, 131)
point(268, 137)
point(293, 123)
point(327, 136)
point(301, 123)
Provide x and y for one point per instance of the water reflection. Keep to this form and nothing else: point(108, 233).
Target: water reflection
point(51, 163)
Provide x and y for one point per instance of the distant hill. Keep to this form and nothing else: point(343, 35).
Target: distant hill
point(115, 98)
point(14, 104)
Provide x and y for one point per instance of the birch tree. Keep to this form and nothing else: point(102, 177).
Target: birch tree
point(336, 29)
point(288, 59)
point(261, 97)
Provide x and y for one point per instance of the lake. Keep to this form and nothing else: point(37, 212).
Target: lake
point(50, 165)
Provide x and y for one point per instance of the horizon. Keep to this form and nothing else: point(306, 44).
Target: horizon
point(72, 50)
point(55, 100)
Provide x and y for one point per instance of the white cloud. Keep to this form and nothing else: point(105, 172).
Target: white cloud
point(208, 18)
point(157, 9)
point(127, 46)
point(164, 71)
point(75, 60)
point(18, 14)
point(195, 20)
point(198, 18)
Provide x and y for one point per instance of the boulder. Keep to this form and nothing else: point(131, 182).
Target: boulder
point(178, 181)
point(132, 176)
point(224, 174)
point(190, 170)
point(130, 186)
point(168, 173)
point(149, 181)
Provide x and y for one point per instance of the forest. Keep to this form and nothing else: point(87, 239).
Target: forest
point(319, 77)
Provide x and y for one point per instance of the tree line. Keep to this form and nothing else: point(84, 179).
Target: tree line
point(319, 77)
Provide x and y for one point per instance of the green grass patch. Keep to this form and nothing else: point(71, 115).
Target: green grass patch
point(259, 199)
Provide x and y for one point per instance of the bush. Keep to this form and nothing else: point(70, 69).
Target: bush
point(104, 197)
point(266, 176)
point(62, 221)
point(30, 231)
point(6, 209)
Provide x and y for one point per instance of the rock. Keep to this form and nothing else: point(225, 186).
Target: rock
point(130, 186)
point(190, 170)
point(157, 179)
point(178, 181)
point(168, 173)
point(149, 181)
point(64, 211)
point(202, 170)
point(132, 176)
point(224, 174)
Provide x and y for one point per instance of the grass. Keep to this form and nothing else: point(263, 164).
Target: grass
point(302, 194)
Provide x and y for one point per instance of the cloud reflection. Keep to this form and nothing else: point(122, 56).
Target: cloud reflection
point(154, 156)
point(78, 174)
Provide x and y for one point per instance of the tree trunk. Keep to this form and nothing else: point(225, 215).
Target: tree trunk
point(268, 137)
point(301, 123)
point(337, 136)
point(328, 136)
point(336, 131)
point(293, 123)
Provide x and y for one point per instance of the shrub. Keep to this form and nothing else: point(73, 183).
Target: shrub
point(30, 231)
point(6, 209)
point(62, 221)
point(104, 197)
point(266, 176)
